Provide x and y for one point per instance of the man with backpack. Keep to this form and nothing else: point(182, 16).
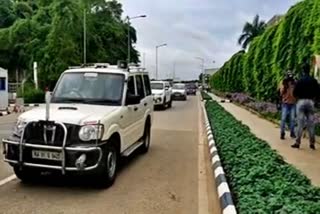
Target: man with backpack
point(306, 92)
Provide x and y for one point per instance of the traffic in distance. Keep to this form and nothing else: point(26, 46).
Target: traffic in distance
point(96, 115)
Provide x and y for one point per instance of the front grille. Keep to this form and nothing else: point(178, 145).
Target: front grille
point(35, 133)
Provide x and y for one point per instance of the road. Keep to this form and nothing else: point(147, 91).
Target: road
point(165, 180)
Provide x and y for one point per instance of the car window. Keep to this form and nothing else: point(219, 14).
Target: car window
point(2, 84)
point(156, 86)
point(131, 88)
point(90, 88)
point(178, 86)
point(147, 84)
point(140, 88)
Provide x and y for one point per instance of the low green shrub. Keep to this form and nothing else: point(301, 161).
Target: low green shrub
point(261, 181)
point(32, 95)
point(205, 96)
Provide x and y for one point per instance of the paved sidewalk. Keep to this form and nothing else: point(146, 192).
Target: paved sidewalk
point(304, 159)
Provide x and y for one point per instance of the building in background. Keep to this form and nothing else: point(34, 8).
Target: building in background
point(274, 20)
point(211, 71)
point(4, 99)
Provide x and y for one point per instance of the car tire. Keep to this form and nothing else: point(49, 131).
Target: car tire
point(170, 103)
point(146, 139)
point(185, 98)
point(26, 175)
point(164, 105)
point(108, 168)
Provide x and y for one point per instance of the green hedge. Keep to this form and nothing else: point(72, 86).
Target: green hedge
point(259, 178)
point(32, 95)
point(205, 96)
point(281, 47)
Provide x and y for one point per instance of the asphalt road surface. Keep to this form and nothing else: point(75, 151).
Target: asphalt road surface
point(165, 180)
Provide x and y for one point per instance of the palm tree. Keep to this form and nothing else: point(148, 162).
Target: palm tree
point(250, 31)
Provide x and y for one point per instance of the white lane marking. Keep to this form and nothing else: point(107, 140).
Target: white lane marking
point(223, 188)
point(7, 180)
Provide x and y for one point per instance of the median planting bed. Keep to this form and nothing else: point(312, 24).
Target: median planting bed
point(260, 180)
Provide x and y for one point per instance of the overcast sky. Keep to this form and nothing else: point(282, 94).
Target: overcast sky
point(191, 28)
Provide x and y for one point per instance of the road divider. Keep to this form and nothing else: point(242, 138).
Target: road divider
point(225, 196)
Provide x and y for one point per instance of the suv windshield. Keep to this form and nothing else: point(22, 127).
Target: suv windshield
point(178, 86)
point(156, 86)
point(191, 86)
point(89, 88)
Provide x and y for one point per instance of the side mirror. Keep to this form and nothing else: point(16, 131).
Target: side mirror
point(132, 99)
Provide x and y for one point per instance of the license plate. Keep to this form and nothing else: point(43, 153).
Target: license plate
point(36, 154)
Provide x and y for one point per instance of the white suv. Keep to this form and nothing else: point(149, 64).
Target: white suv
point(162, 93)
point(97, 114)
point(179, 91)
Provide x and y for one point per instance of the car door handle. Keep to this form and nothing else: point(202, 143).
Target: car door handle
point(135, 108)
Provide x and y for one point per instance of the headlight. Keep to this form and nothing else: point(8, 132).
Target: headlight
point(19, 127)
point(91, 132)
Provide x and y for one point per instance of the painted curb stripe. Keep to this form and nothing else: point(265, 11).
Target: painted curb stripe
point(219, 171)
point(226, 200)
point(216, 165)
point(214, 153)
point(211, 144)
point(215, 159)
point(221, 178)
point(230, 209)
point(222, 186)
point(213, 149)
point(4, 113)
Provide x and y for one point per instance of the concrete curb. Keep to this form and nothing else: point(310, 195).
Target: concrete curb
point(13, 108)
point(222, 186)
point(26, 105)
point(4, 113)
point(225, 101)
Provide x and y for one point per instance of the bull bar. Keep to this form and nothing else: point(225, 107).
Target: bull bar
point(63, 149)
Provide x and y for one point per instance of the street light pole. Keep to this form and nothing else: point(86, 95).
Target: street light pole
point(174, 71)
point(158, 46)
point(144, 60)
point(202, 69)
point(129, 36)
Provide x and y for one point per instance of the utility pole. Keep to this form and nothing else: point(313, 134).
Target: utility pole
point(144, 60)
point(157, 47)
point(129, 39)
point(202, 70)
point(174, 70)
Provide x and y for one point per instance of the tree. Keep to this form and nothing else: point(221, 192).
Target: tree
point(50, 32)
point(250, 31)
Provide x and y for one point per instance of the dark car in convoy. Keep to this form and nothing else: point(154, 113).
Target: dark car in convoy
point(191, 89)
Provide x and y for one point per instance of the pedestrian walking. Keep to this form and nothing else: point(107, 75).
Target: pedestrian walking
point(306, 92)
point(288, 105)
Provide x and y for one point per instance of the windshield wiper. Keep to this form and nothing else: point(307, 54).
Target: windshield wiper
point(67, 100)
point(105, 101)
